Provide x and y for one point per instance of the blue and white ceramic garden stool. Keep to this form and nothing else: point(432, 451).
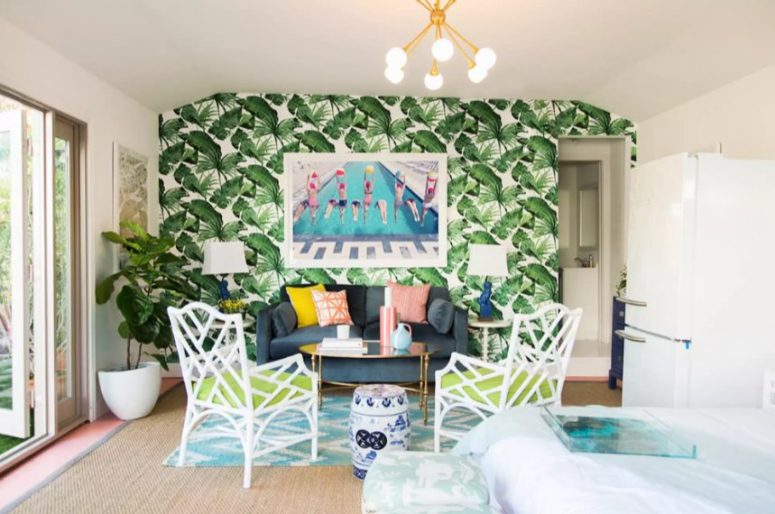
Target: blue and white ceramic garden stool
point(379, 421)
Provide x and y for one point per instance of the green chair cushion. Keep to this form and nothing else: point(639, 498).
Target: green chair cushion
point(490, 387)
point(262, 389)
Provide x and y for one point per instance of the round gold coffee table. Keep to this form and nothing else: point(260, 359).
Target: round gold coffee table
point(420, 351)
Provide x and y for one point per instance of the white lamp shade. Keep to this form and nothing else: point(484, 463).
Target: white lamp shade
point(489, 260)
point(224, 257)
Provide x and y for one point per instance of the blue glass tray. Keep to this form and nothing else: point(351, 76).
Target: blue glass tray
point(614, 431)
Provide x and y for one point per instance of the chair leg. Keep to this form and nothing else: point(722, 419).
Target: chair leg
point(437, 423)
point(314, 428)
point(248, 450)
point(184, 436)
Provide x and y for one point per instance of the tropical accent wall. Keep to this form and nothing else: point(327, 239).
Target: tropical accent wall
point(221, 177)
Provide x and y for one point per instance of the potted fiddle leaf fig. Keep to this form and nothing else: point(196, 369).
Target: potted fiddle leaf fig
point(149, 282)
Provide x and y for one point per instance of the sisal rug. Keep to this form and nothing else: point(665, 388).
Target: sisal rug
point(333, 441)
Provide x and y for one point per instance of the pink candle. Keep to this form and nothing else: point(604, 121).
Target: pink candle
point(388, 320)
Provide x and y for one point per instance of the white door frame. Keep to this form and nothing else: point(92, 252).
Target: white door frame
point(47, 427)
point(601, 149)
point(16, 420)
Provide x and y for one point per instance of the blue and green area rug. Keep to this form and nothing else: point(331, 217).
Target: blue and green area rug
point(333, 443)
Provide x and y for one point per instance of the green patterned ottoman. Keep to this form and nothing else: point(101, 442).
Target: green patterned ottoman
point(427, 482)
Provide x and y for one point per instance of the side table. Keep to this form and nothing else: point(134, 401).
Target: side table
point(379, 422)
point(485, 327)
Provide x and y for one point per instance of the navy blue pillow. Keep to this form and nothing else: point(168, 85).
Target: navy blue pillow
point(441, 315)
point(284, 319)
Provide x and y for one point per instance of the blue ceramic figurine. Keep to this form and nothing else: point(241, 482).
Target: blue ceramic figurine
point(485, 306)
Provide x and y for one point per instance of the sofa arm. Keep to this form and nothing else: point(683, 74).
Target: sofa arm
point(264, 333)
point(460, 330)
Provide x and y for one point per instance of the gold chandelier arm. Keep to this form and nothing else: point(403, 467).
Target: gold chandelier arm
point(448, 5)
point(411, 44)
point(459, 46)
point(452, 30)
point(425, 5)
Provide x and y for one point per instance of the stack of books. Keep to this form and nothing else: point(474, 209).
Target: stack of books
point(349, 345)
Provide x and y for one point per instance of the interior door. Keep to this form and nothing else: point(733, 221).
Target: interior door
point(15, 288)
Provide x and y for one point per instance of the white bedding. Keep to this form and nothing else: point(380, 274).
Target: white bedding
point(529, 471)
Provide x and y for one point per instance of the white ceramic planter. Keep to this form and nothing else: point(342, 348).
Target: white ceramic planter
point(131, 394)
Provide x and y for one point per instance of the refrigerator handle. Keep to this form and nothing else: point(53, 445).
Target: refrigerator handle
point(634, 303)
point(625, 335)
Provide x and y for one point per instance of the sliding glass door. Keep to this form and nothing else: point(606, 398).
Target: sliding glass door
point(16, 259)
point(65, 355)
point(40, 354)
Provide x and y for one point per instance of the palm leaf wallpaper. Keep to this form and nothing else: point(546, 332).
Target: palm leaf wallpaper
point(221, 177)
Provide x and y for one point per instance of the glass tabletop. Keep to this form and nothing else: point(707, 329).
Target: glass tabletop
point(616, 431)
point(373, 351)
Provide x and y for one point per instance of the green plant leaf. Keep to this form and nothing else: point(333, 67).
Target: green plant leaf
point(105, 288)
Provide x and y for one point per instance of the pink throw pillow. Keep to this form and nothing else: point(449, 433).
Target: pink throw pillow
point(410, 302)
point(332, 308)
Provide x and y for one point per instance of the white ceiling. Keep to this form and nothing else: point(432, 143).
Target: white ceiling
point(633, 57)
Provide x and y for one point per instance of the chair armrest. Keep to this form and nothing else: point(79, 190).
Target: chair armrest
point(460, 330)
point(458, 360)
point(264, 333)
point(284, 365)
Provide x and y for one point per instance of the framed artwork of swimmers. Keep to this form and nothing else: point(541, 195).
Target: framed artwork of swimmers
point(365, 210)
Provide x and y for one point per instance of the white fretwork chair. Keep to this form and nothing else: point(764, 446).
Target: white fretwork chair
point(214, 362)
point(533, 372)
point(768, 397)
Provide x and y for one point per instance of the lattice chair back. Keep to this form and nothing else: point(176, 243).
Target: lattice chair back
point(768, 399)
point(539, 352)
point(211, 345)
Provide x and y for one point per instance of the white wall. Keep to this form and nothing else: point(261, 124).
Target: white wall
point(740, 116)
point(37, 71)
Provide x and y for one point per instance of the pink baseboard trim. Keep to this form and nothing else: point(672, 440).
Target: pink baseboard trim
point(586, 379)
point(28, 476)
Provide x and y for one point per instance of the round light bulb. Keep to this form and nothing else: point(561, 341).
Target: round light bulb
point(442, 49)
point(396, 57)
point(394, 75)
point(485, 58)
point(434, 82)
point(477, 74)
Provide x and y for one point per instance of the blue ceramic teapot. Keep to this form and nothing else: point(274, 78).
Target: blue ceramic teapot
point(401, 337)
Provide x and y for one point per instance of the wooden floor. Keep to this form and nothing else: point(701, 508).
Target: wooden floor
point(125, 473)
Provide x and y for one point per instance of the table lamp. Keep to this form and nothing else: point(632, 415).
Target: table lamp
point(487, 261)
point(223, 258)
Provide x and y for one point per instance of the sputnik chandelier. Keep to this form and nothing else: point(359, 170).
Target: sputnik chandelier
point(446, 39)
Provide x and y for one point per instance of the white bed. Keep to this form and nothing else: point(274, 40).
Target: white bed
point(529, 471)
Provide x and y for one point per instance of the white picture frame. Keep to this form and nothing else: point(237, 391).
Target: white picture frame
point(403, 237)
point(130, 190)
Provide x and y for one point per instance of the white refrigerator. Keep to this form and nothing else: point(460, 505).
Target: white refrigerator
point(700, 313)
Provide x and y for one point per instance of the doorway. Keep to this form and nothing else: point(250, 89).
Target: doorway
point(41, 389)
point(592, 241)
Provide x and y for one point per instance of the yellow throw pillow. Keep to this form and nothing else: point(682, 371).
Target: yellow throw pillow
point(301, 299)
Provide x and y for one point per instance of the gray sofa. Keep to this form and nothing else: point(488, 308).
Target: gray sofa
point(364, 303)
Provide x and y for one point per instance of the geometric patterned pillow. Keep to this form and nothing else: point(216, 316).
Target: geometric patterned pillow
point(332, 308)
